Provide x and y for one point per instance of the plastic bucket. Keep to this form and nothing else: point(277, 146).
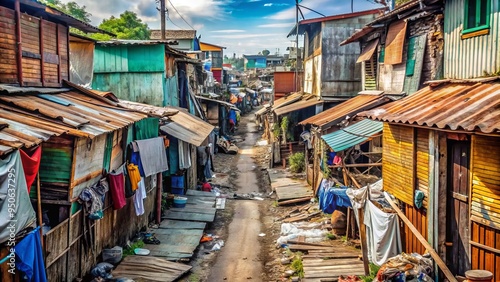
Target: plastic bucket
point(180, 202)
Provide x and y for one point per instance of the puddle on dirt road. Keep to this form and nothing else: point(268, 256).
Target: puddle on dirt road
point(239, 258)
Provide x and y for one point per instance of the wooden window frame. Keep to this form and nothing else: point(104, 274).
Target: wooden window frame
point(477, 29)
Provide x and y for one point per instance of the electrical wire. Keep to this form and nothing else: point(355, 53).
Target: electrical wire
point(180, 14)
point(173, 22)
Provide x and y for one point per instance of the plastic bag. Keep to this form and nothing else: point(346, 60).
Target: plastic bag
point(103, 270)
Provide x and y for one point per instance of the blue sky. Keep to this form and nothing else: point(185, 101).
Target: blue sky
point(242, 26)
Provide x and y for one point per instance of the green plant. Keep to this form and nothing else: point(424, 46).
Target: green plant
point(276, 131)
point(344, 239)
point(297, 162)
point(373, 273)
point(331, 236)
point(324, 165)
point(297, 265)
point(128, 251)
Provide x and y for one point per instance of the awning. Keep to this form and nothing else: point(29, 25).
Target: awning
point(287, 100)
point(219, 102)
point(299, 105)
point(394, 43)
point(266, 108)
point(368, 51)
point(188, 128)
point(353, 135)
point(359, 103)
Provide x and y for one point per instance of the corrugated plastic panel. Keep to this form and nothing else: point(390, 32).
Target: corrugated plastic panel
point(458, 106)
point(353, 135)
point(470, 57)
point(349, 107)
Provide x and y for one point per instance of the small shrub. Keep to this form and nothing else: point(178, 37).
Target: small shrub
point(373, 273)
point(297, 265)
point(130, 250)
point(331, 236)
point(297, 162)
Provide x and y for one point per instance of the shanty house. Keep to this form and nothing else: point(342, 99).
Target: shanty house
point(441, 142)
point(185, 37)
point(330, 70)
point(215, 54)
point(401, 49)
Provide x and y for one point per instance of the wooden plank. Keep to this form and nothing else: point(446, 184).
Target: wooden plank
point(177, 231)
point(177, 224)
point(189, 216)
point(191, 192)
point(194, 209)
point(149, 268)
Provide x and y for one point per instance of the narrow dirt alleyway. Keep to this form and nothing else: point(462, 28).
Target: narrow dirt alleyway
point(239, 259)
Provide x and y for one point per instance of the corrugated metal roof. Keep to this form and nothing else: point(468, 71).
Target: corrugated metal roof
point(174, 34)
point(219, 102)
point(302, 23)
point(298, 105)
point(136, 42)
point(287, 100)
point(457, 106)
point(358, 34)
point(188, 128)
point(149, 109)
point(32, 119)
point(266, 108)
point(350, 107)
point(352, 135)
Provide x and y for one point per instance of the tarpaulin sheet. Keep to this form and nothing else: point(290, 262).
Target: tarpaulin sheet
point(82, 63)
point(31, 164)
point(16, 211)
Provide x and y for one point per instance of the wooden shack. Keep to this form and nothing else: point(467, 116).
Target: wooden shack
point(442, 141)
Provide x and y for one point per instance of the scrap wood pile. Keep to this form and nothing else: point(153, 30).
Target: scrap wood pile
point(307, 212)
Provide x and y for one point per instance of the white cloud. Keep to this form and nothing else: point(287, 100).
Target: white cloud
point(228, 31)
point(275, 4)
point(268, 4)
point(273, 25)
point(248, 35)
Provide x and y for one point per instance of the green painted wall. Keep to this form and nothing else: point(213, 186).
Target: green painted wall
point(133, 72)
point(56, 162)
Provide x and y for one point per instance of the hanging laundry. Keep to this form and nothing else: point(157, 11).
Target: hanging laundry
point(184, 155)
point(12, 179)
point(135, 158)
point(139, 197)
point(31, 165)
point(382, 233)
point(133, 175)
point(30, 257)
point(330, 198)
point(117, 188)
point(153, 155)
point(92, 199)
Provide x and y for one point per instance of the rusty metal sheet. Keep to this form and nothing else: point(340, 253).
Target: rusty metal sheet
point(299, 105)
point(469, 106)
point(287, 100)
point(394, 43)
point(350, 107)
point(368, 51)
point(188, 128)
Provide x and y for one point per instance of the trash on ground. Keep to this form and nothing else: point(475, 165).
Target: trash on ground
point(141, 251)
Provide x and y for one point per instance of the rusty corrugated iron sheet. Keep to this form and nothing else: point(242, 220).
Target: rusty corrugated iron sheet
point(350, 107)
point(287, 100)
point(470, 106)
point(28, 120)
point(306, 102)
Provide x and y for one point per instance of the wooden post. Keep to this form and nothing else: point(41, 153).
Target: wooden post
point(39, 207)
point(19, 51)
point(159, 189)
point(422, 240)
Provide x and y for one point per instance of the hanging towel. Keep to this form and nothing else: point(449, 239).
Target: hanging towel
point(13, 189)
point(139, 197)
point(184, 155)
point(117, 187)
point(133, 175)
point(31, 164)
point(30, 257)
point(153, 155)
point(382, 233)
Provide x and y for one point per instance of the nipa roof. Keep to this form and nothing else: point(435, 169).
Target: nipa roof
point(470, 105)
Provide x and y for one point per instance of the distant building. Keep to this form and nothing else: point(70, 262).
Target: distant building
point(255, 61)
point(216, 54)
point(274, 60)
point(185, 38)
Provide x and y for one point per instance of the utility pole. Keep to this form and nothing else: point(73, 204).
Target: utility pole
point(297, 45)
point(162, 17)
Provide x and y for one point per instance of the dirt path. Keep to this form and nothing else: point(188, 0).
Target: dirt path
point(239, 259)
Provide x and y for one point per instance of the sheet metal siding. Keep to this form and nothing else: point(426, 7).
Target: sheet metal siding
point(471, 57)
point(144, 88)
point(57, 156)
point(340, 75)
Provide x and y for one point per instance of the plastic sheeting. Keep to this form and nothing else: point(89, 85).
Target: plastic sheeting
point(16, 211)
point(290, 231)
point(82, 63)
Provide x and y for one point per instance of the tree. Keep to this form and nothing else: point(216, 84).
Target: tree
point(266, 52)
point(70, 8)
point(127, 26)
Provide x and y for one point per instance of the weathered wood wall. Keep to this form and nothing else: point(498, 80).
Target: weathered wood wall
point(44, 50)
point(418, 217)
point(422, 163)
point(398, 162)
point(485, 204)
